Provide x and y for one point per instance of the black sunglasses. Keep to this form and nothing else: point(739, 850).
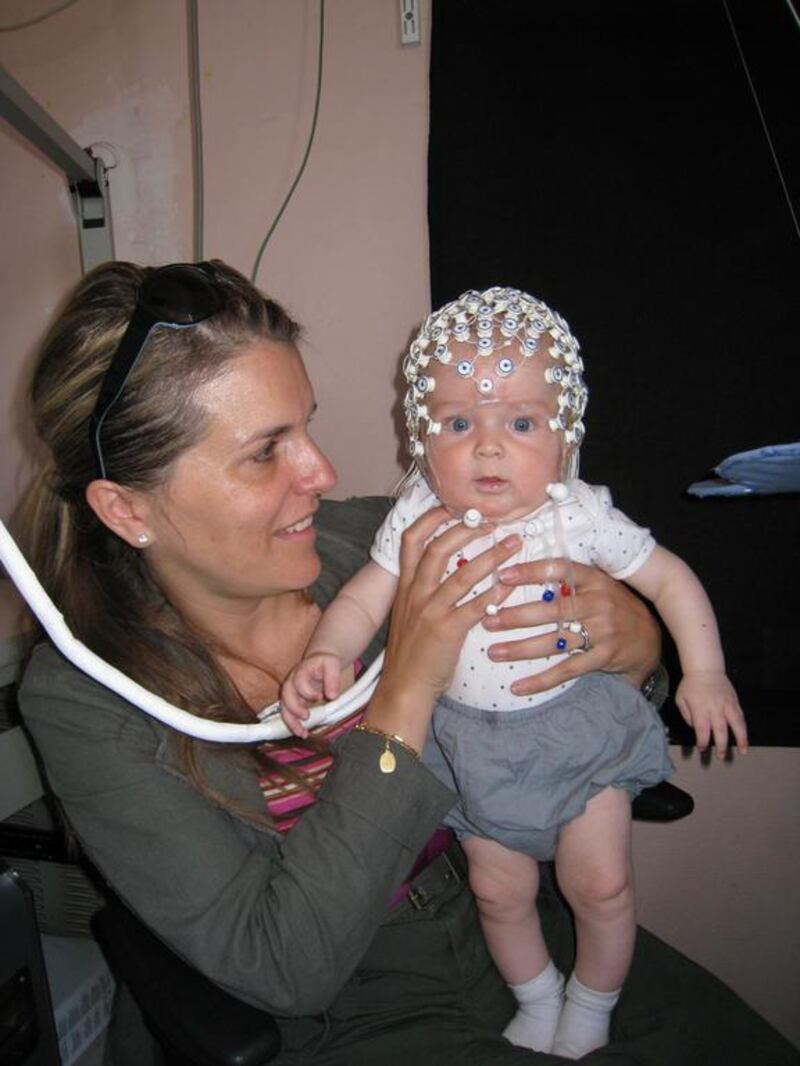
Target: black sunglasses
point(174, 296)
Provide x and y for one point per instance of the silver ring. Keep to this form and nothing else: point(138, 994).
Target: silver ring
point(580, 630)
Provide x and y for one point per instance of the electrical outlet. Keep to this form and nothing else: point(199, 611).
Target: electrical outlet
point(409, 22)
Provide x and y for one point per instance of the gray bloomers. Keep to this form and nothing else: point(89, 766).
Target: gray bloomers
point(521, 775)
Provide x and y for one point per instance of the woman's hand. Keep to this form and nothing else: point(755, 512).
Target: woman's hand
point(623, 635)
point(429, 622)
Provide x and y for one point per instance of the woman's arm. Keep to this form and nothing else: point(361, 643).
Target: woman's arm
point(281, 923)
point(624, 635)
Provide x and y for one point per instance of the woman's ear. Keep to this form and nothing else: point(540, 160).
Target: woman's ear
point(122, 510)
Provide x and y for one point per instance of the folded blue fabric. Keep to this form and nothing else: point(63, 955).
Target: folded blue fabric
point(773, 468)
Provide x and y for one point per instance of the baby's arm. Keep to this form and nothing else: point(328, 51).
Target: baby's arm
point(705, 696)
point(345, 629)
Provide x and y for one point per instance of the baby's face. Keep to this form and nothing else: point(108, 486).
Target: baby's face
point(495, 452)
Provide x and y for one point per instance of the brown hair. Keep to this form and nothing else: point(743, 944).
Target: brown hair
point(103, 586)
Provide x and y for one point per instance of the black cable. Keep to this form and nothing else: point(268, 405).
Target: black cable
point(299, 175)
point(196, 122)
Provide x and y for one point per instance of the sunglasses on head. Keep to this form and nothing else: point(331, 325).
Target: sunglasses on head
point(175, 297)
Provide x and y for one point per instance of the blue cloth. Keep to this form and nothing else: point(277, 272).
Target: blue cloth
point(771, 469)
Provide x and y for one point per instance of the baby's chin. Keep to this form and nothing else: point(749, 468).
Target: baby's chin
point(495, 510)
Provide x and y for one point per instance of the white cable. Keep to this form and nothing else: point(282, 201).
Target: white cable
point(761, 115)
point(270, 727)
point(793, 13)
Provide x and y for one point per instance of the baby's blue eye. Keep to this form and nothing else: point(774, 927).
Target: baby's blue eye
point(523, 425)
point(459, 424)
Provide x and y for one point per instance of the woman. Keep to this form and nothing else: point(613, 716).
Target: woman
point(178, 526)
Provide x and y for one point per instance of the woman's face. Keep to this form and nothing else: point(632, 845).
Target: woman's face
point(234, 521)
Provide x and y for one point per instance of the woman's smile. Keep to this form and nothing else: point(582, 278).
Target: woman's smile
point(304, 529)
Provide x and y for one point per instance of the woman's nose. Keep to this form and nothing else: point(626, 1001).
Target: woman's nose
point(315, 472)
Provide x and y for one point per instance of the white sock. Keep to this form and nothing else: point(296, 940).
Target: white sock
point(585, 1020)
point(540, 1001)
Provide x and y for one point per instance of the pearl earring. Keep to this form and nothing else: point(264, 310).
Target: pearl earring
point(143, 539)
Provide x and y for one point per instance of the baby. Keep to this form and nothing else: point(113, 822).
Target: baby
point(494, 412)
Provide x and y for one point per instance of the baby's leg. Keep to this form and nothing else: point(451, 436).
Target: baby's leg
point(505, 884)
point(593, 865)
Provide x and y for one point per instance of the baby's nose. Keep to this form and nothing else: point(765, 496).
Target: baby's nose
point(489, 444)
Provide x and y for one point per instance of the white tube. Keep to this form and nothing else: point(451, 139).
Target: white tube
point(270, 727)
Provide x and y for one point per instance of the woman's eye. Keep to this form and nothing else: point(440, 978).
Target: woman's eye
point(523, 425)
point(263, 455)
point(459, 424)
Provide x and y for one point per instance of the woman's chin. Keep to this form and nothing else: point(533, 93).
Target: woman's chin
point(296, 563)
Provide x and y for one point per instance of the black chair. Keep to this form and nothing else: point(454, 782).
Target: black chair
point(662, 803)
point(194, 1021)
point(27, 1029)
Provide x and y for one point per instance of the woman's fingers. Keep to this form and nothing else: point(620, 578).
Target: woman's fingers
point(425, 553)
point(566, 670)
point(424, 557)
point(431, 617)
point(621, 634)
point(542, 572)
point(451, 605)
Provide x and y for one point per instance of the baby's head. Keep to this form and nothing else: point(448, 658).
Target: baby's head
point(495, 402)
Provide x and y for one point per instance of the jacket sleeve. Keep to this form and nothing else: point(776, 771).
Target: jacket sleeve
point(281, 923)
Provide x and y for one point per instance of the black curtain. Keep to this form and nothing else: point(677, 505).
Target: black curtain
point(612, 159)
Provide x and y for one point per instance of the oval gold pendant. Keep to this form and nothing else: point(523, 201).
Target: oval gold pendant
point(387, 761)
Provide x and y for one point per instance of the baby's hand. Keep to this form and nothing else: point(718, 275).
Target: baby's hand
point(316, 678)
point(708, 702)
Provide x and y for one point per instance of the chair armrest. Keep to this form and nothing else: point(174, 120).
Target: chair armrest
point(187, 1013)
point(662, 803)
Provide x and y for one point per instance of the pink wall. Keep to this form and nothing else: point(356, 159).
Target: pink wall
point(350, 255)
point(723, 885)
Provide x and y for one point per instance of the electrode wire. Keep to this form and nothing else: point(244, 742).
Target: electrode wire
point(311, 137)
point(760, 111)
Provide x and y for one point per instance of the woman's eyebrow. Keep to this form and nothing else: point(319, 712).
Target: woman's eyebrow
point(275, 431)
